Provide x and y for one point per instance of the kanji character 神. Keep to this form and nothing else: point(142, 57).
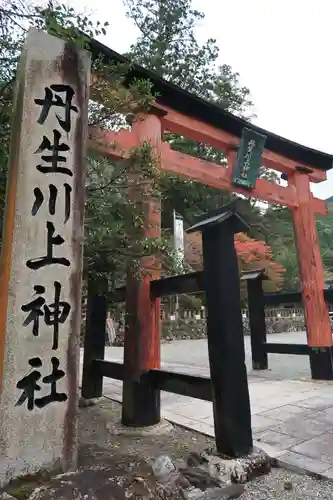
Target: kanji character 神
point(54, 314)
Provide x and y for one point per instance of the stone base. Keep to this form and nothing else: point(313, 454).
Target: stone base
point(119, 429)
point(86, 403)
point(238, 470)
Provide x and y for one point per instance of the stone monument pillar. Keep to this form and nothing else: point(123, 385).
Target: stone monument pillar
point(41, 260)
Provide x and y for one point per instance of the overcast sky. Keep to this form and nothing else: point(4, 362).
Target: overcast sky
point(282, 50)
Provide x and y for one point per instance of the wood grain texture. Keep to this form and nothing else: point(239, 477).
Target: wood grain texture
point(310, 265)
point(199, 131)
point(117, 144)
point(141, 306)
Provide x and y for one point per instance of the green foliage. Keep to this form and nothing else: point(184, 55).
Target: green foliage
point(114, 214)
point(113, 221)
point(325, 233)
point(16, 17)
point(168, 45)
point(279, 234)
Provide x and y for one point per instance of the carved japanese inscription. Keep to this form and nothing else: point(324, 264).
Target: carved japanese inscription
point(42, 259)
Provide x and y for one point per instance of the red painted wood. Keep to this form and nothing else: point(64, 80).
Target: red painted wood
point(110, 143)
point(217, 176)
point(310, 264)
point(116, 144)
point(296, 195)
point(200, 131)
point(142, 338)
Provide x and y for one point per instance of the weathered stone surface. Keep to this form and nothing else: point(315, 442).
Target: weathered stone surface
point(44, 220)
point(85, 403)
point(131, 476)
point(238, 470)
point(163, 466)
point(208, 476)
point(194, 459)
point(200, 477)
point(6, 496)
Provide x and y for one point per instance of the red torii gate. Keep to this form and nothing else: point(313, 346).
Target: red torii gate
point(183, 113)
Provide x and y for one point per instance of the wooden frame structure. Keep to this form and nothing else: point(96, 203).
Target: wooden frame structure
point(183, 113)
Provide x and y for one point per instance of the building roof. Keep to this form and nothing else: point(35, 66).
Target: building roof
point(191, 105)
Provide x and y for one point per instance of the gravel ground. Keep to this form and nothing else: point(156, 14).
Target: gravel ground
point(275, 485)
point(104, 454)
point(180, 442)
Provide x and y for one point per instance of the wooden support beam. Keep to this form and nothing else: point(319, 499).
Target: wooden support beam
point(219, 139)
point(298, 349)
point(219, 177)
point(225, 337)
point(176, 285)
point(317, 320)
point(192, 386)
point(116, 144)
point(276, 299)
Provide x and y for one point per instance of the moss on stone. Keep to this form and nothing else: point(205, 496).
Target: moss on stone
point(22, 487)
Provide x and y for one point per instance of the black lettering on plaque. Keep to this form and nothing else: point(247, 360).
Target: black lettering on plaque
point(53, 195)
point(54, 158)
point(54, 314)
point(28, 385)
point(52, 98)
point(48, 259)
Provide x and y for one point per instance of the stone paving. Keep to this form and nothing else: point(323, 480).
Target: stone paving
point(292, 415)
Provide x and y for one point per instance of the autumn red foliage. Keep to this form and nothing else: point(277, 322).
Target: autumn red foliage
point(252, 254)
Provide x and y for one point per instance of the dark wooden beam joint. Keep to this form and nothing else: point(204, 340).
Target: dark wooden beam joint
point(304, 170)
point(180, 383)
point(109, 369)
point(233, 148)
point(159, 112)
point(299, 349)
point(274, 299)
point(177, 285)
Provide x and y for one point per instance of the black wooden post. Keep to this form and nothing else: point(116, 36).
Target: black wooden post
point(231, 402)
point(255, 295)
point(94, 343)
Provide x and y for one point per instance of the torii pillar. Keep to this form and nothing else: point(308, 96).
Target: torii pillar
point(319, 334)
point(141, 402)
